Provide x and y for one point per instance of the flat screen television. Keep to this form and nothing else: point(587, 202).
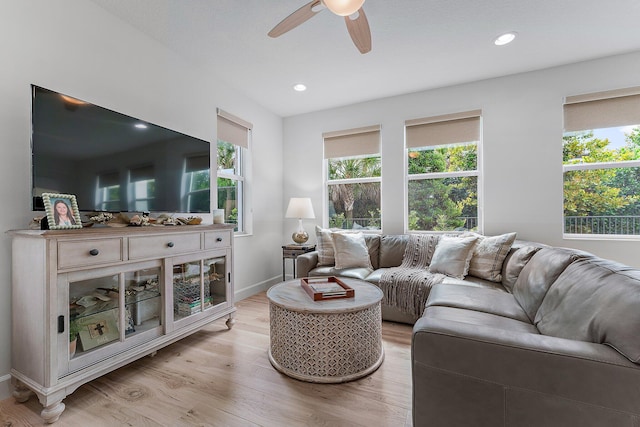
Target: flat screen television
point(113, 162)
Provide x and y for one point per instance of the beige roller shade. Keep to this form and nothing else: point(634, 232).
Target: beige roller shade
point(233, 129)
point(602, 110)
point(440, 130)
point(352, 142)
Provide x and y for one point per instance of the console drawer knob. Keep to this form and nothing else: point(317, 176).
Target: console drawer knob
point(171, 244)
point(94, 252)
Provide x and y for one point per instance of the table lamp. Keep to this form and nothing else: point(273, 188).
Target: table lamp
point(300, 207)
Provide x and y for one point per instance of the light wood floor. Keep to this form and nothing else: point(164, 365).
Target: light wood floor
point(220, 377)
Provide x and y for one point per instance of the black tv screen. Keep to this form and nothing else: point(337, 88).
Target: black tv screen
point(113, 162)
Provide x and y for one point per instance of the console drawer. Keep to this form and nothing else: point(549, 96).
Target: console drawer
point(163, 246)
point(217, 239)
point(80, 253)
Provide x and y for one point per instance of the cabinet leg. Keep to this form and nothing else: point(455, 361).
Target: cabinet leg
point(21, 392)
point(230, 321)
point(51, 413)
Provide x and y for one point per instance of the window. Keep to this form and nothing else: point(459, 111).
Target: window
point(197, 183)
point(108, 194)
point(601, 163)
point(353, 178)
point(142, 183)
point(442, 172)
point(232, 154)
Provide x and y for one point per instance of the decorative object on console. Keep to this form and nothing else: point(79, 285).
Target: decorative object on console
point(300, 207)
point(218, 216)
point(62, 211)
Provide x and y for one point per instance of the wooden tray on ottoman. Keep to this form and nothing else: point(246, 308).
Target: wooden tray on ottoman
point(324, 288)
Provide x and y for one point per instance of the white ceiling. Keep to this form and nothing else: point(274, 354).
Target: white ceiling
point(417, 44)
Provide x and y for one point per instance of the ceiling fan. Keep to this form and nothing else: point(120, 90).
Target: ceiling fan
point(353, 13)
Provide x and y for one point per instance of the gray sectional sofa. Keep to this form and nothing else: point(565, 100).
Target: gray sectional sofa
point(556, 342)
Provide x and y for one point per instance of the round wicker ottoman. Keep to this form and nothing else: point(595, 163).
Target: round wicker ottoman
point(329, 341)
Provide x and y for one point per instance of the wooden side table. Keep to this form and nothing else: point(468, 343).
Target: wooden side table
point(293, 252)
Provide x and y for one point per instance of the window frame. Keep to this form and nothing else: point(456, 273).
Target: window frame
point(594, 111)
point(353, 137)
point(477, 173)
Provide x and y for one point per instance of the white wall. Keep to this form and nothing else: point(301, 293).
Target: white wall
point(522, 147)
point(75, 47)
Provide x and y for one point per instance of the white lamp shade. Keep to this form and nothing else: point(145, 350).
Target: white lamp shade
point(300, 207)
point(343, 7)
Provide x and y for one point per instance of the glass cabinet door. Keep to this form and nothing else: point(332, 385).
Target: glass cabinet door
point(143, 302)
point(198, 285)
point(111, 308)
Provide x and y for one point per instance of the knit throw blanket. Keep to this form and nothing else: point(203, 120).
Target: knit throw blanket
point(407, 287)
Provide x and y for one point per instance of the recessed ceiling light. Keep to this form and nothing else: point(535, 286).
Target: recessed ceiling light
point(299, 87)
point(505, 38)
point(140, 125)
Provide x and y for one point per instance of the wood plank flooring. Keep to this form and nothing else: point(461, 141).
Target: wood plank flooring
point(221, 377)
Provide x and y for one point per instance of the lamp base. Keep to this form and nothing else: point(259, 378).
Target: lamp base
point(300, 237)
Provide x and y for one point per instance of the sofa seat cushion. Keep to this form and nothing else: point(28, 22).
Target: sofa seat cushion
point(485, 300)
point(351, 273)
point(598, 301)
point(475, 282)
point(479, 318)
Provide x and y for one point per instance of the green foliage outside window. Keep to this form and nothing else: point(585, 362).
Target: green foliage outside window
point(353, 202)
point(602, 191)
point(443, 203)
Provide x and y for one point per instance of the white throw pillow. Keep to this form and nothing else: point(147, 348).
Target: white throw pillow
point(488, 256)
point(324, 246)
point(452, 256)
point(350, 250)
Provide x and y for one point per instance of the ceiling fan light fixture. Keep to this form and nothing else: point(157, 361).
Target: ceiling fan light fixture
point(343, 7)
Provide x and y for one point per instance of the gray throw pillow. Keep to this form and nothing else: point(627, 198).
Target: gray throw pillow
point(452, 256)
point(350, 251)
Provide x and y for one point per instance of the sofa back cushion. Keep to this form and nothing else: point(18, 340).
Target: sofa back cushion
point(539, 274)
point(373, 245)
point(518, 256)
point(392, 247)
point(595, 300)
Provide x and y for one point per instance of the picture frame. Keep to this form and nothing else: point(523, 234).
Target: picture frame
point(55, 206)
point(98, 329)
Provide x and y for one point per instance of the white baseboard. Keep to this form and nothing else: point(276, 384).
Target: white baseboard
point(5, 387)
point(256, 288)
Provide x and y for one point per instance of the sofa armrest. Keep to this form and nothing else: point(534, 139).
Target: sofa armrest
point(305, 263)
point(465, 372)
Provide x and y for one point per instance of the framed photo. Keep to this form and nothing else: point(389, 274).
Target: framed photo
point(98, 329)
point(62, 211)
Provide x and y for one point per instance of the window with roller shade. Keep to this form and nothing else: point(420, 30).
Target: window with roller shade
point(443, 172)
point(234, 135)
point(601, 163)
point(142, 184)
point(353, 177)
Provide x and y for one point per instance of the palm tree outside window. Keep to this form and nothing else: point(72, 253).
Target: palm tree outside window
point(353, 178)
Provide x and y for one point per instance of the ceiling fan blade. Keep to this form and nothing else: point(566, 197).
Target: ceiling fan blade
point(359, 31)
point(301, 15)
